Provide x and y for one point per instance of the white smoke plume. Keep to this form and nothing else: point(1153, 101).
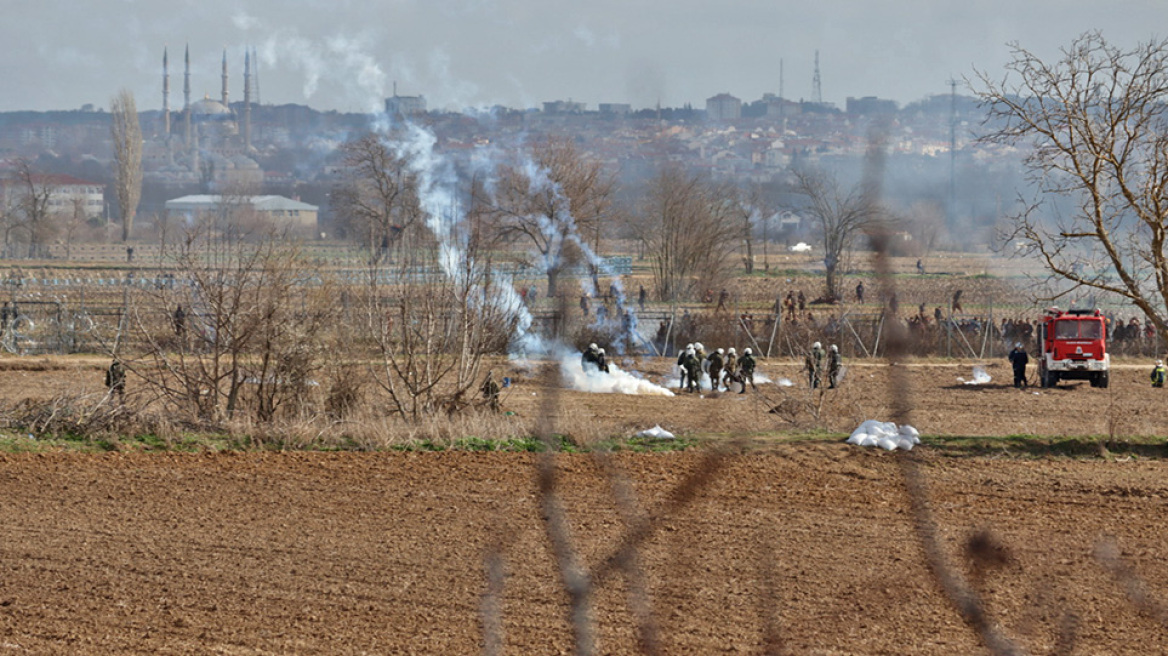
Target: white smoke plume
point(617, 381)
point(980, 377)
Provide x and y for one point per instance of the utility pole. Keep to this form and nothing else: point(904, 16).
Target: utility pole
point(951, 210)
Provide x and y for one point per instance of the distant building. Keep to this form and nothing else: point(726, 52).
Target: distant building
point(281, 212)
point(723, 107)
point(871, 105)
point(563, 107)
point(405, 105)
point(66, 194)
point(615, 109)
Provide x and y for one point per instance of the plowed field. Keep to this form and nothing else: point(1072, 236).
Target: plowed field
point(384, 553)
point(808, 545)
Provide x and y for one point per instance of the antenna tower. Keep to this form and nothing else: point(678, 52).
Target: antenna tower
point(816, 83)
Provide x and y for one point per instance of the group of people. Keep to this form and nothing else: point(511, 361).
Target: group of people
point(723, 366)
point(593, 357)
point(814, 366)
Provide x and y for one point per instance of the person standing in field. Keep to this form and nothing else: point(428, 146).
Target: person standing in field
point(834, 364)
point(716, 362)
point(693, 366)
point(490, 390)
point(115, 380)
point(746, 370)
point(1019, 359)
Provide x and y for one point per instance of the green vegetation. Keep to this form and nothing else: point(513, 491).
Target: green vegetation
point(195, 443)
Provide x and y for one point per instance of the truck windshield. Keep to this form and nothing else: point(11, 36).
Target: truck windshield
point(1078, 330)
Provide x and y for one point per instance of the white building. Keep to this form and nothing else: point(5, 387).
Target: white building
point(66, 193)
point(280, 211)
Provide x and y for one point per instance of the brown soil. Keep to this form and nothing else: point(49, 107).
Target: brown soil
point(312, 553)
point(809, 543)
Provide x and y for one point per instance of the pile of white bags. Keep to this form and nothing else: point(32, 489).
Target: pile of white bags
point(885, 435)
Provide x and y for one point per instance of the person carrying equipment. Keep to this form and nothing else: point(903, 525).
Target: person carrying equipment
point(681, 365)
point(746, 370)
point(692, 366)
point(834, 364)
point(715, 362)
point(1158, 374)
point(601, 361)
point(813, 364)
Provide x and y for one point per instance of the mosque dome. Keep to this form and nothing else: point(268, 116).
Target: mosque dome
point(210, 109)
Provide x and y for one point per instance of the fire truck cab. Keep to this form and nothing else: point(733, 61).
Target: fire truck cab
point(1074, 347)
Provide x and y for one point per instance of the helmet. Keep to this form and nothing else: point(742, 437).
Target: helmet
point(689, 351)
point(592, 346)
point(732, 351)
point(721, 351)
point(1017, 344)
point(698, 346)
point(1159, 363)
point(746, 351)
point(688, 346)
point(817, 345)
point(601, 351)
point(834, 348)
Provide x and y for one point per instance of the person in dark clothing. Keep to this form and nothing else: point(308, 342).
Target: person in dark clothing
point(723, 296)
point(180, 321)
point(590, 356)
point(602, 361)
point(490, 390)
point(1019, 359)
point(693, 367)
point(746, 370)
point(860, 292)
point(115, 380)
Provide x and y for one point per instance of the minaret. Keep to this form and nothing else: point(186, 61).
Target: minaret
point(165, 95)
point(246, 101)
point(187, 97)
point(225, 77)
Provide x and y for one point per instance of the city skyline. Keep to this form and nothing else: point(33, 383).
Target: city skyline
point(344, 56)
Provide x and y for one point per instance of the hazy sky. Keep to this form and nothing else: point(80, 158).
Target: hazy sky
point(342, 54)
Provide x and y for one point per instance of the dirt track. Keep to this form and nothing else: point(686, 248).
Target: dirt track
point(383, 553)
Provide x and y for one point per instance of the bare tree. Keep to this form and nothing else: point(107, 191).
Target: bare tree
point(1096, 122)
point(255, 314)
point(433, 331)
point(33, 204)
point(750, 211)
point(837, 215)
point(550, 201)
point(690, 228)
point(72, 222)
point(127, 138)
point(377, 203)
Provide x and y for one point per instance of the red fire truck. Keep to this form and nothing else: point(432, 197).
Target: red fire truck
point(1074, 347)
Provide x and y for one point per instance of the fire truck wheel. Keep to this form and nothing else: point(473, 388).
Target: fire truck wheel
point(1101, 380)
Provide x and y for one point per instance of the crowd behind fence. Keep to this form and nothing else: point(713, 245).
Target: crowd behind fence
point(74, 315)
